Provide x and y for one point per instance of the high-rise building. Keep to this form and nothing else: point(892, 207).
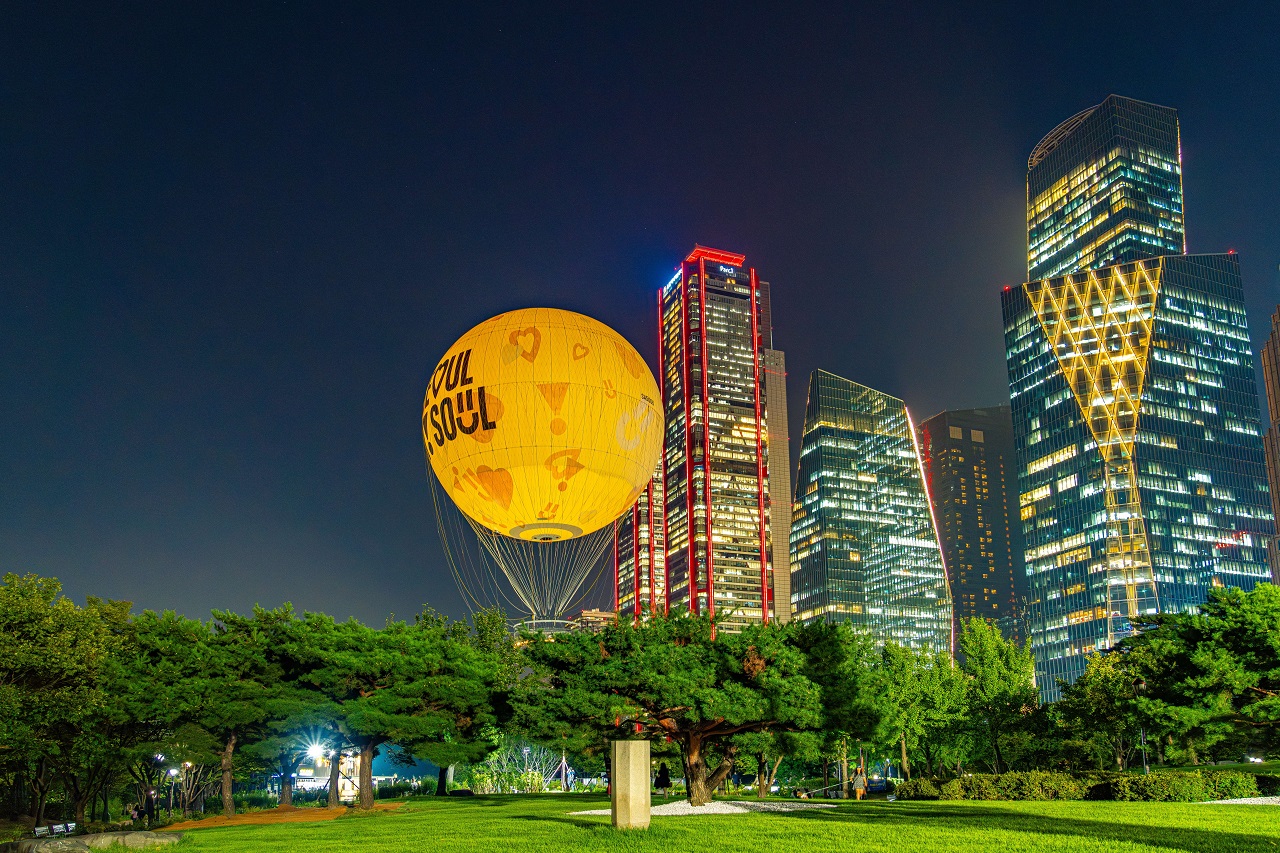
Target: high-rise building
point(778, 449)
point(1104, 188)
point(1137, 430)
point(639, 555)
point(971, 474)
point(715, 326)
point(1138, 437)
point(1270, 358)
point(864, 547)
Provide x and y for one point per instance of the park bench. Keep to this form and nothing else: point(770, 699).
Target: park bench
point(42, 832)
point(59, 829)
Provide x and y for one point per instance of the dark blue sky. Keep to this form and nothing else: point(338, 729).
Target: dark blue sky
point(235, 239)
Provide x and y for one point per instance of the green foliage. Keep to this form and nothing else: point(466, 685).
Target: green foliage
point(1268, 784)
point(672, 678)
point(1034, 785)
point(1001, 691)
point(922, 704)
point(1230, 785)
point(1164, 787)
point(917, 789)
point(1217, 672)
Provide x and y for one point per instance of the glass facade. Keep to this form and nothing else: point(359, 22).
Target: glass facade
point(1103, 188)
point(715, 457)
point(1138, 442)
point(639, 573)
point(970, 470)
point(863, 544)
point(1270, 358)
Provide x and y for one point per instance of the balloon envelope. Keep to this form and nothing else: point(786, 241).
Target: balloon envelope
point(542, 424)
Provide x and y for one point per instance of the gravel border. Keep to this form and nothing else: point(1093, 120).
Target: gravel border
point(1246, 801)
point(682, 808)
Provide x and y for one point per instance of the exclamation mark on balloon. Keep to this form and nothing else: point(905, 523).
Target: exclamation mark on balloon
point(554, 393)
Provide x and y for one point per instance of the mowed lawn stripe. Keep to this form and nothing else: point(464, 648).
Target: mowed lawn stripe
point(541, 824)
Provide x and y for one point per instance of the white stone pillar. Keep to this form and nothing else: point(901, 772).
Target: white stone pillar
point(629, 775)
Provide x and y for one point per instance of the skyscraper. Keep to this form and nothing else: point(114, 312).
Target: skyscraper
point(1270, 357)
point(971, 473)
point(715, 324)
point(1135, 411)
point(639, 555)
point(864, 547)
point(1141, 471)
point(1104, 188)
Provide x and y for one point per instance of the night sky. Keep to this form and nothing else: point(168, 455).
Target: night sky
point(234, 240)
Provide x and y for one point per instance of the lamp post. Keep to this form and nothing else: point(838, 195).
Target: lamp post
point(1139, 687)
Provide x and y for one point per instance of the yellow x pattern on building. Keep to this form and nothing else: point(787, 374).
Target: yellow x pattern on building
point(1098, 325)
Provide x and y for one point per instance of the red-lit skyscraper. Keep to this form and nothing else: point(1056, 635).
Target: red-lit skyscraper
point(715, 332)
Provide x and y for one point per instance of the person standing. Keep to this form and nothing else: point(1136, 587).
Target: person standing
point(860, 782)
point(663, 780)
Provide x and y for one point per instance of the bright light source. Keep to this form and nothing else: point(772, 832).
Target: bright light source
point(173, 771)
point(315, 751)
point(159, 757)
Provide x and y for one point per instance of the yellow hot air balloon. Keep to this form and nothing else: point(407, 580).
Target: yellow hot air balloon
point(542, 424)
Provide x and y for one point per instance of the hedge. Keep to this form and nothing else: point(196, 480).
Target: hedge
point(1164, 786)
point(1033, 785)
point(916, 789)
point(1268, 784)
point(1189, 787)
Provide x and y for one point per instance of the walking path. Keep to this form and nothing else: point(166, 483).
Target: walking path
point(280, 814)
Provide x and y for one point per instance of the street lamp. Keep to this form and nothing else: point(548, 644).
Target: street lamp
point(1139, 687)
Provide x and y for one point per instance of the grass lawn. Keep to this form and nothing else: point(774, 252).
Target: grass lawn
point(540, 824)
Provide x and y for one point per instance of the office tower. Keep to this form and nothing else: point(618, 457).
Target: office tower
point(1138, 440)
point(1105, 188)
point(716, 455)
point(639, 575)
point(971, 473)
point(863, 542)
point(1270, 357)
point(778, 461)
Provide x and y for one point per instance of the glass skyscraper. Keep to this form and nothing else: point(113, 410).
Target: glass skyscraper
point(971, 474)
point(1140, 460)
point(639, 555)
point(1103, 188)
point(715, 332)
point(863, 543)
point(1270, 358)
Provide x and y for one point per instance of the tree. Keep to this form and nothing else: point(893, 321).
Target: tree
point(839, 661)
point(422, 686)
point(1214, 673)
point(1001, 684)
point(1101, 705)
point(54, 657)
point(668, 678)
point(922, 702)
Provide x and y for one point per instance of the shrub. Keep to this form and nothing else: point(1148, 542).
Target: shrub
point(1268, 784)
point(1034, 785)
point(1097, 784)
point(917, 789)
point(1230, 784)
point(1040, 785)
point(255, 800)
point(395, 789)
point(1168, 787)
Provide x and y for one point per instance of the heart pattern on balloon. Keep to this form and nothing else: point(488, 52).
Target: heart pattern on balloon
point(527, 341)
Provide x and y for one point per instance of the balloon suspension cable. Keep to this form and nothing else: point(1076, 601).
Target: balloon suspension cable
point(545, 580)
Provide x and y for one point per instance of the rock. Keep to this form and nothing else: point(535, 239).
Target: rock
point(95, 841)
point(131, 840)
